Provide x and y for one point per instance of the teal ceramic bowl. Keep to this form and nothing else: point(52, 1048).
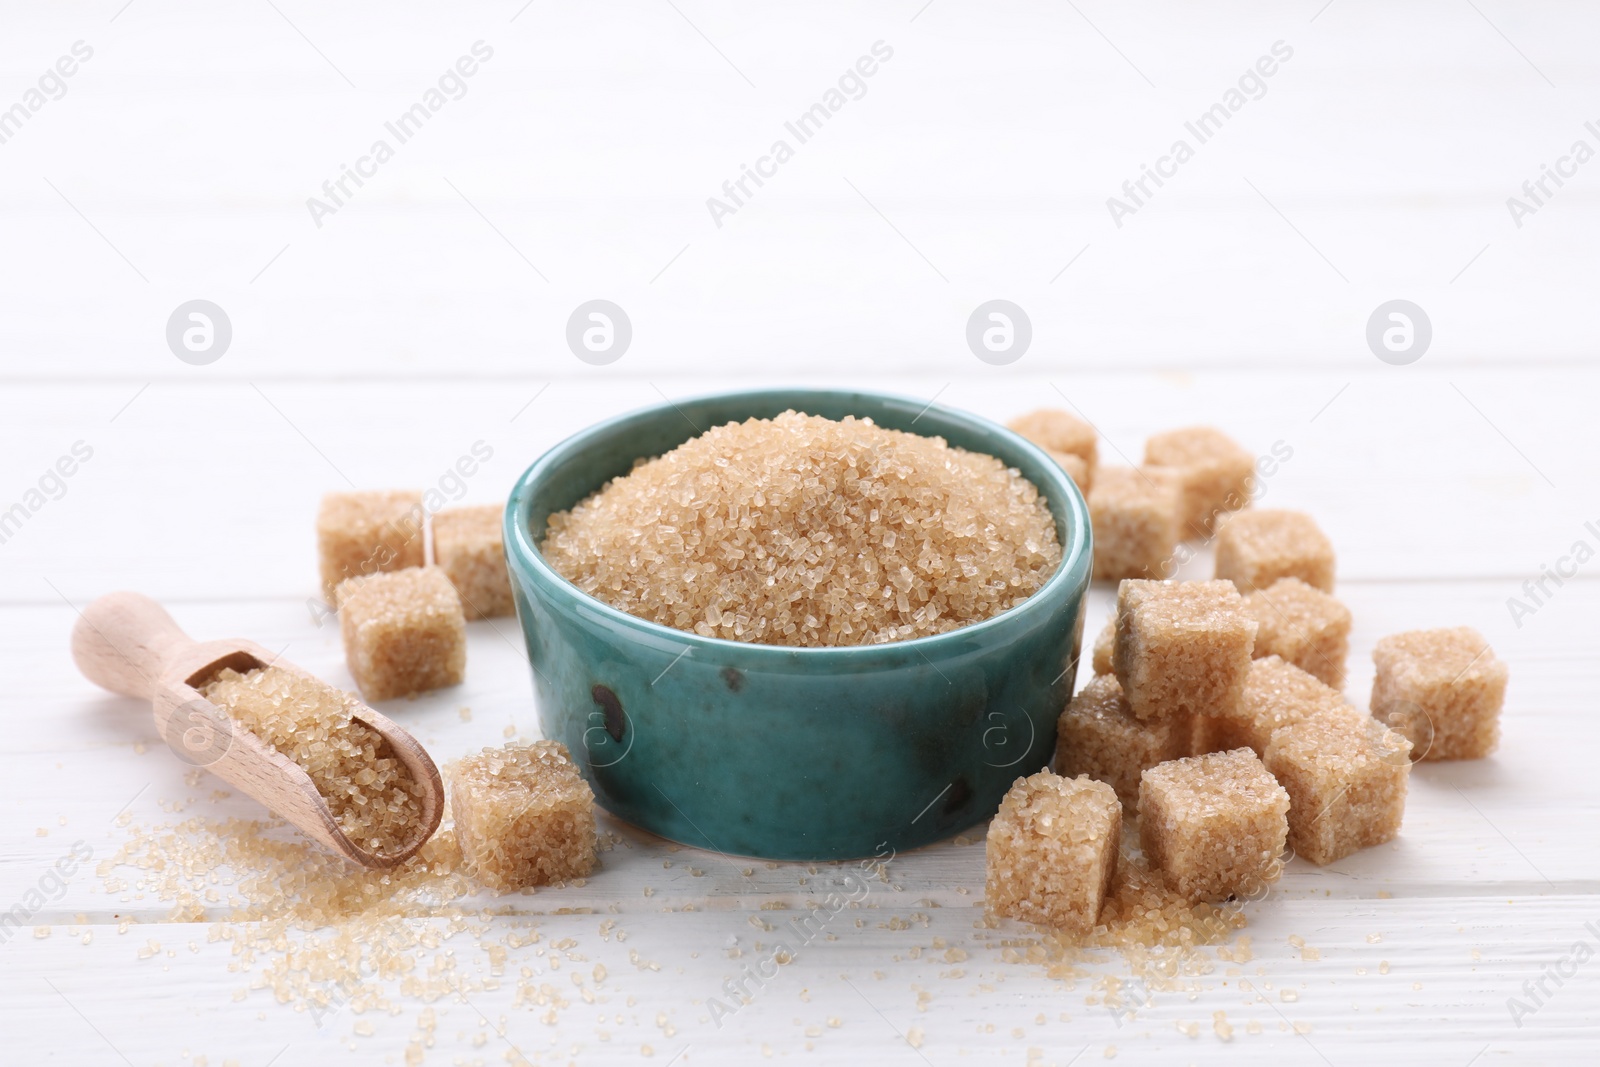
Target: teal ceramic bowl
point(794, 753)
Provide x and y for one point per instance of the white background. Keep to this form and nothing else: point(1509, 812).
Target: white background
point(429, 312)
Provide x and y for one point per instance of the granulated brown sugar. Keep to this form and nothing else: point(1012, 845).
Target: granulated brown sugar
point(1256, 548)
point(1304, 625)
point(307, 927)
point(1162, 936)
point(1051, 850)
point(1217, 474)
point(1136, 517)
point(524, 815)
point(1057, 431)
point(467, 547)
point(1442, 689)
point(1346, 779)
point(1105, 647)
point(1181, 647)
point(1098, 735)
point(404, 632)
point(372, 795)
point(1276, 694)
point(800, 530)
point(1215, 825)
point(366, 533)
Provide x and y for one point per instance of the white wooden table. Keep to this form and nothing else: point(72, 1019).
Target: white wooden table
point(428, 313)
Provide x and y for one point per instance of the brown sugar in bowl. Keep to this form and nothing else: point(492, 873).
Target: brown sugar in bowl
point(794, 752)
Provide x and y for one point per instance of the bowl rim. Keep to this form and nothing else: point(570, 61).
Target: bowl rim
point(1071, 574)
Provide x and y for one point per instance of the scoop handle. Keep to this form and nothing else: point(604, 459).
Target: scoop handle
point(122, 641)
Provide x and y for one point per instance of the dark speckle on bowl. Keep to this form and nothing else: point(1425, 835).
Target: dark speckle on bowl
point(613, 710)
point(733, 677)
point(960, 794)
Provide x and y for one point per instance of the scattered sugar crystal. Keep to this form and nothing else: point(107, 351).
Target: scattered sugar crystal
point(404, 632)
point(1052, 851)
point(1346, 779)
point(367, 532)
point(1304, 626)
point(1442, 689)
point(1275, 694)
point(467, 547)
point(370, 792)
point(1058, 431)
point(1182, 648)
point(1216, 473)
point(523, 814)
point(1135, 517)
point(800, 530)
point(1256, 548)
point(1214, 825)
point(1099, 736)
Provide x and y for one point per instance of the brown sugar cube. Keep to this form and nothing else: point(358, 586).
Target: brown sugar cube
point(1058, 431)
point(1204, 731)
point(1077, 468)
point(1303, 625)
point(403, 632)
point(1256, 548)
point(1276, 694)
point(1135, 519)
point(524, 815)
point(467, 547)
point(1218, 475)
point(1182, 648)
point(1098, 735)
point(365, 533)
point(1104, 646)
point(1214, 825)
point(1052, 851)
point(1346, 780)
point(1442, 689)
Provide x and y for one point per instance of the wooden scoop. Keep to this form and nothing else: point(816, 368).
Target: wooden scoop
point(127, 643)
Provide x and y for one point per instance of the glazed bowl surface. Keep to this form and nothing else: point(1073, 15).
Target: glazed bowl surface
point(794, 753)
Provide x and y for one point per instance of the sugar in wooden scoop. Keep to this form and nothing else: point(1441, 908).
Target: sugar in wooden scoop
point(372, 794)
point(800, 530)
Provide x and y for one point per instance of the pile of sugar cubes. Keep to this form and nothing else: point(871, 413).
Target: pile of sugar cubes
point(402, 618)
point(523, 814)
point(1215, 715)
point(1214, 718)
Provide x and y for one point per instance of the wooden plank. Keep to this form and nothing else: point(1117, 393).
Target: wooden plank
point(1371, 455)
point(1483, 829)
point(1451, 968)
